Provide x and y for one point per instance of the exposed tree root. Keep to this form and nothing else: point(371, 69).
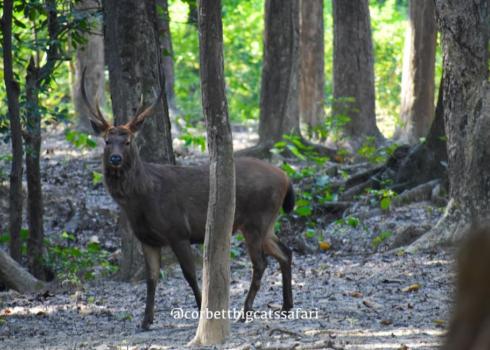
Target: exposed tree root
point(262, 150)
point(16, 277)
point(419, 193)
point(449, 229)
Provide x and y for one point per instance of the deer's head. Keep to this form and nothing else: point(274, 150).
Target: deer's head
point(119, 139)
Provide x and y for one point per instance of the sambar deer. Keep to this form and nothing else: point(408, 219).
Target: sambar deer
point(166, 205)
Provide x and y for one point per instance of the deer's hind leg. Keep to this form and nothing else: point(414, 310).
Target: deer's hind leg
point(183, 251)
point(284, 256)
point(253, 240)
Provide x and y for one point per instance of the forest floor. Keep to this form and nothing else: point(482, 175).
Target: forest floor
point(352, 295)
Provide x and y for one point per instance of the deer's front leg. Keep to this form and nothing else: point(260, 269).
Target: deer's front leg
point(152, 260)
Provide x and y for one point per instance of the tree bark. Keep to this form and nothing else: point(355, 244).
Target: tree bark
point(16, 277)
point(135, 69)
point(221, 207)
point(417, 97)
point(353, 70)
point(167, 52)
point(427, 160)
point(35, 209)
point(312, 62)
point(13, 91)
point(36, 78)
point(465, 27)
point(279, 96)
point(90, 57)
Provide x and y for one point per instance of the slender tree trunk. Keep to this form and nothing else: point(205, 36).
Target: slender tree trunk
point(465, 27)
point(167, 52)
point(221, 208)
point(90, 57)
point(16, 277)
point(312, 62)
point(427, 160)
point(35, 207)
point(13, 91)
point(417, 100)
point(135, 68)
point(353, 69)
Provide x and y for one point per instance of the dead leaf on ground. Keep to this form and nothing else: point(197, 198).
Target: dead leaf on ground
point(412, 288)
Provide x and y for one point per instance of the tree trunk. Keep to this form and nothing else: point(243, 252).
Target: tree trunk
point(135, 68)
point(13, 90)
point(35, 207)
point(427, 160)
point(465, 30)
point(353, 70)
point(279, 96)
point(167, 52)
point(417, 98)
point(90, 57)
point(221, 208)
point(16, 277)
point(312, 53)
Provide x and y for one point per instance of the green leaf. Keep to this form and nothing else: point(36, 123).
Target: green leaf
point(385, 203)
point(96, 177)
point(303, 211)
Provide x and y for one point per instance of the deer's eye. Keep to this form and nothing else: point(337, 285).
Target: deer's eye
point(107, 142)
point(128, 142)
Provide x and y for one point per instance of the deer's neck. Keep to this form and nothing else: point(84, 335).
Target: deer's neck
point(131, 180)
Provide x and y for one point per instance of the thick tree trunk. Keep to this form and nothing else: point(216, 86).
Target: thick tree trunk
point(312, 53)
point(35, 207)
point(13, 91)
point(279, 96)
point(90, 57)
point(465, 27)
point(417, 99)
point(221, 208)
point(353, 70)
point(167, 52)
point(135, 69)
point(16, 277)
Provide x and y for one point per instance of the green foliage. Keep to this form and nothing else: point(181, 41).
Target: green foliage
point(74, 264)
point(80, 139)
point(384, 196)
point(294, 145)
point(383, 236)
point(97, 178)
point(374, 154)
point(351, 221)
point(192, 133)
point(242, 33)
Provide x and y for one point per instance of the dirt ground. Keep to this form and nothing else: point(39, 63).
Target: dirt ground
point(352, 296)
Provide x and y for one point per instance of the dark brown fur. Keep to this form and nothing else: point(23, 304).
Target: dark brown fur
point(166, 205)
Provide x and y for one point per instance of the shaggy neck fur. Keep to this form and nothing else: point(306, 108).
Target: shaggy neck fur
point(130, 179)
